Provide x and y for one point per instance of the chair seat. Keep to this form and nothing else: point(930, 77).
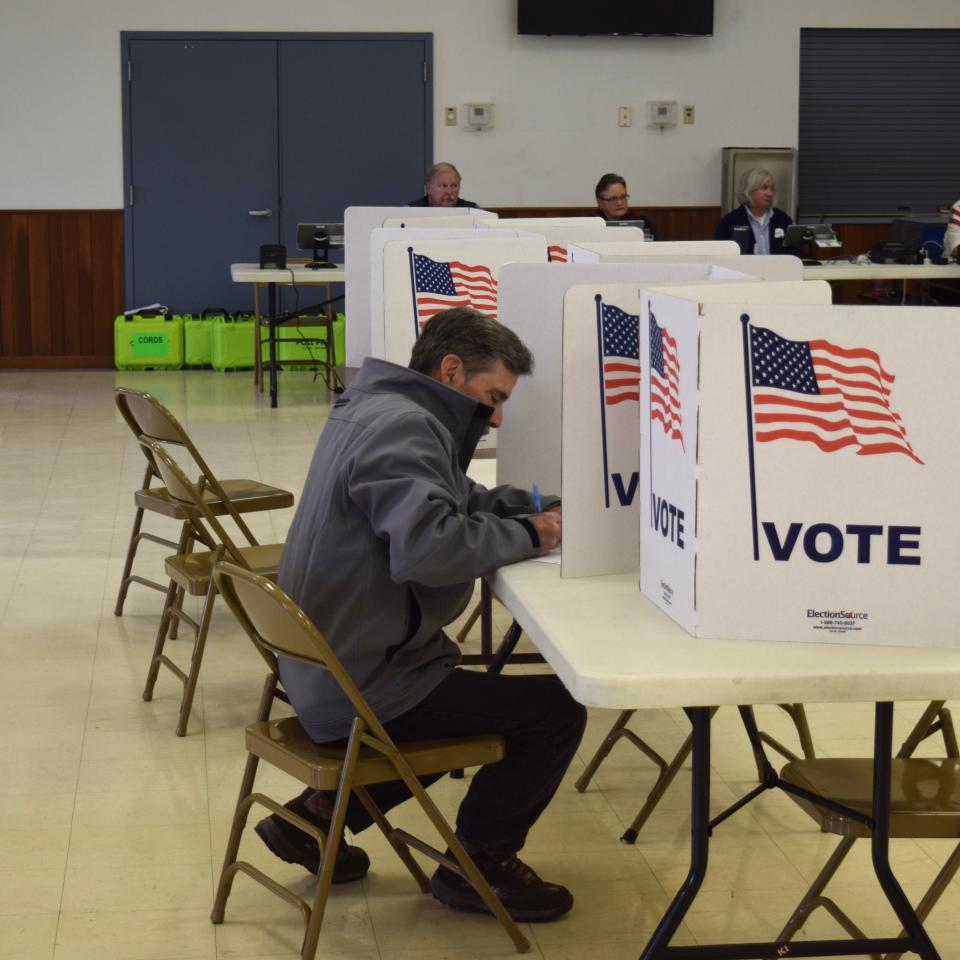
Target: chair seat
point(924, 795)
point(248, 496)
point(192, 571)
point(284, 744)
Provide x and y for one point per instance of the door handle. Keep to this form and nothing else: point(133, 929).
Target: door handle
point(260, 213)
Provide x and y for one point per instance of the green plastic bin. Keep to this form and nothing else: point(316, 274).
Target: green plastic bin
point(290, 348)
point(148, 342)
point(232, 342)
point(197, 341)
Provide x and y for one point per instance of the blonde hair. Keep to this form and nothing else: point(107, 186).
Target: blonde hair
point(750, 180)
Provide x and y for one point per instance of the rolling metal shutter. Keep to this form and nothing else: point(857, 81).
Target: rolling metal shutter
point(879, 122)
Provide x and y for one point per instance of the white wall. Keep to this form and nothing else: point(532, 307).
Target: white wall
point(555, 98)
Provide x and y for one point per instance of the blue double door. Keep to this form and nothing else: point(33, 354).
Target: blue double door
point(231, 140)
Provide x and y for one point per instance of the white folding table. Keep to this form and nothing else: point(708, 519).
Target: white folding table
point(612, 648)
point(294, 275)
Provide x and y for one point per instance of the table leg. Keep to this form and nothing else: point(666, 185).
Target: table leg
point(917, 938)
point(272, 313)
point(257, 345)
point(699, 836)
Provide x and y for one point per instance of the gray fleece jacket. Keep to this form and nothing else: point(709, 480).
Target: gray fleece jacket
point(387, 540)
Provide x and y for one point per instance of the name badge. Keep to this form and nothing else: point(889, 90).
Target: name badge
point(778, 233)
point(740, 229)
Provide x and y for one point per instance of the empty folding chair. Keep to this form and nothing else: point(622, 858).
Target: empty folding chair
point(925, 803)
point(146, 416)
point(192, 573)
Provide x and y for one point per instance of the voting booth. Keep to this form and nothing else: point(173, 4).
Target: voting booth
point(358, 222)
point(379, 238)
point(532, 304)
point(779, 267)
point(553, 309)
point(459, 218)
point(422, 277)
point(593, 251)
point(798, 466)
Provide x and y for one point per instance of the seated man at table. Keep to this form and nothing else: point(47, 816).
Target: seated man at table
point(386, 543)
point(442, 185)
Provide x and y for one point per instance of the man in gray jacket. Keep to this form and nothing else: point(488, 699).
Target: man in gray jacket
point(386, 543)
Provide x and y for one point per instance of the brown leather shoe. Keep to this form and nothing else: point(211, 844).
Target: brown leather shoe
point(294, 846)
point(528, 899)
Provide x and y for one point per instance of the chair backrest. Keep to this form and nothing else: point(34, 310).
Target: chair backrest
point(279, 628)
point(183, 489)
point(148, 417)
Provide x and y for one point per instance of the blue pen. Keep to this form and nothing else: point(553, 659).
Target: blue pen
point(536, 498)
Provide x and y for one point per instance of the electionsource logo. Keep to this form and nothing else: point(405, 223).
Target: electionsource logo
point(837, 621)
point(838, 614)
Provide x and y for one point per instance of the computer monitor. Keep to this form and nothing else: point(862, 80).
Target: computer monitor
point(319, 238)
point(917, 235)
point(627, 223)
point(810, 235)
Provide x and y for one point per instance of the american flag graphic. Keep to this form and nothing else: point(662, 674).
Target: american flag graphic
point(440, 285)
point(620, 349)
point(558, 253)
point(665, 381)
point(815, 391)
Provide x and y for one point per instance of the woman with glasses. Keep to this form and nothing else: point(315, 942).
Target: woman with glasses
point(613, 202)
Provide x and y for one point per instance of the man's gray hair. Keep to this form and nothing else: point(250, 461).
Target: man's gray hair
point(440, 168)
point(750, 180)
point(478, 340)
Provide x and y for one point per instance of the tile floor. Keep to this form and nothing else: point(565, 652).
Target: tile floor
point(112, 829)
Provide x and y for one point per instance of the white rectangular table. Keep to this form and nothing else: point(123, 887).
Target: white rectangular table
point(295, 275)
point(844, 270)
point(904, 272)
point(612, 648)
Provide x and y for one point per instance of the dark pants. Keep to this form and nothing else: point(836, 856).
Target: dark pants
point(542, 726)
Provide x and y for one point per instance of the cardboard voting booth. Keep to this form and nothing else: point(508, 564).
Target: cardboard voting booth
point(379, 238)
point(600, 455)
point(358, 222)
point(798, 467)
point(458, 219)
point(541, 223)
point(422, 277)
point(779, 267)
point(532, 302)
point(592, 251)
point(559, 239)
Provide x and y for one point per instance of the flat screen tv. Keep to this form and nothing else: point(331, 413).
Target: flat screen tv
point(648, 18)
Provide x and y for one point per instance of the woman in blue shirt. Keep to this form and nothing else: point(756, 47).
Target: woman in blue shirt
point(756, 225)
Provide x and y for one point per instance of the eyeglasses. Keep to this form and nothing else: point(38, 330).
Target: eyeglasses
point(616, 199)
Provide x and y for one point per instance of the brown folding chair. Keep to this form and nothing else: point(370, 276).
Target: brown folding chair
point(668, 770)
point(278, 627)
point(925, 803)
point(146, 416)
point(192, 573)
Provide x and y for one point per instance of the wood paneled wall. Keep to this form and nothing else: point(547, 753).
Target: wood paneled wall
point(61, 286)
point(61, 275)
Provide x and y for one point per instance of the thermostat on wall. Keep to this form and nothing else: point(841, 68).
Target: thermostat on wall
point(663, 113)
point(479, 115)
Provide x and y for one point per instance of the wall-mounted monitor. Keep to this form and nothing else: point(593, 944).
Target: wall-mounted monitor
point(648, 18)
